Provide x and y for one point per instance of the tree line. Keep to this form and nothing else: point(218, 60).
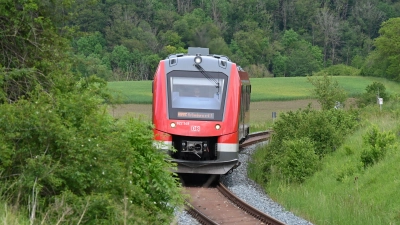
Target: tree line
point(124, 40)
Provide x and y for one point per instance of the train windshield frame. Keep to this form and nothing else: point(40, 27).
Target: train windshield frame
point(192, 96)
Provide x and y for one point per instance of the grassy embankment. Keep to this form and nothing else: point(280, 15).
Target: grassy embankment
point(268, 95)
point(343, 191)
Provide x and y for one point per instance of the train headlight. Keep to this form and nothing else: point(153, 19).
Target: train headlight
point(197, 60)
point(173, 125)
point(217, 126)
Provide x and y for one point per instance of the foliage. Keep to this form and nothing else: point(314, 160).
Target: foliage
point(297, 58)
point(342, 191)
point(384, 61)
point(91, 65)
point(91, 44)
point(373, 91)
point(31, 21)
point(71, 149)
point(62, 155)
point(328, 92)
point(308, 135)
point(251, 33)
point(258, 71)
point(299, 161)
point(338, 70)
point(377, 145)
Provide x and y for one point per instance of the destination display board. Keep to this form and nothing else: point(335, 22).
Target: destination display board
point(197, 115)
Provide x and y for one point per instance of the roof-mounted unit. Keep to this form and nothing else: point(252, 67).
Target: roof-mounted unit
point(198, 51)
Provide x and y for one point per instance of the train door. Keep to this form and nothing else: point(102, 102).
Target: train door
point(242, 133)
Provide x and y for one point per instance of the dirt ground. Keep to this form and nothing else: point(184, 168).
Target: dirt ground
point(260, 112)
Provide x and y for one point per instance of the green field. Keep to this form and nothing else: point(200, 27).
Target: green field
point(263, 89)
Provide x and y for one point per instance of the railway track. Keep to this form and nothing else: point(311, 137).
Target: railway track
point(254, 138)
point(217, 205)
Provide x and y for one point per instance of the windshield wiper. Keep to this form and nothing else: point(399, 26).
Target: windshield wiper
point(206, 75)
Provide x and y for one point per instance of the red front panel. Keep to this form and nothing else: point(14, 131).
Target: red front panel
point(192, 127)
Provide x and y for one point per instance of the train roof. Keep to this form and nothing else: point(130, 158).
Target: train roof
point(197, 51)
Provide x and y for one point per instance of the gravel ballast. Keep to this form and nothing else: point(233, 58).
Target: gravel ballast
point(251, 193)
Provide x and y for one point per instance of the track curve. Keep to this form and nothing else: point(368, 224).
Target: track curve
point(217, 205)
point(255, 138)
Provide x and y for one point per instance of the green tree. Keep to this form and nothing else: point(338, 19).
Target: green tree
point(327, 91)
point(253, 43)
point(121, 58)
point(196, 28)
point(297, 57)
point(164, 18)
point(219, 46)
point(279, 65)
point(170, 38)
point(91, 65)
point(91, 44)
point(384, 61)
point(89, 16)
point(217, 10)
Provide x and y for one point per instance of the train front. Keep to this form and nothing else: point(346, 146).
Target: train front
point(196, 104)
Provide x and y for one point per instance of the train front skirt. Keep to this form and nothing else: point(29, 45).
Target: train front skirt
point(206, 167)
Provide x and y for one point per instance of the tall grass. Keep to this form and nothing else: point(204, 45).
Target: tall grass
point(263, 89)
point(254, 127)
point(343, 191)
point(8, 216)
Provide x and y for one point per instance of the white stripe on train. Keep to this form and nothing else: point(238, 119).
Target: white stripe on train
point(222, 147)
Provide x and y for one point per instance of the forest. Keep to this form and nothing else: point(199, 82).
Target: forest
point(124, 40)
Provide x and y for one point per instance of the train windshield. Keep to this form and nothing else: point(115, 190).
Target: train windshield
point(193, 96)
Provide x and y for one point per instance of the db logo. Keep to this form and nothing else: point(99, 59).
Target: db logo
point(195, 128)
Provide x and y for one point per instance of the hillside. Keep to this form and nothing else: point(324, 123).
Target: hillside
point(343, 191)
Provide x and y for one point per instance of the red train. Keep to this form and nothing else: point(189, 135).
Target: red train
point(201, 107)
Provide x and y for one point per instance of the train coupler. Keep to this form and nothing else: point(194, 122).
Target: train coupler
point(234, 167)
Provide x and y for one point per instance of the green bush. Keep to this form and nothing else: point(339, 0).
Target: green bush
point(66, 152)
point(328, 92)
point(338, 70)
point(299, 160)
point(377, 144)
point(301, 138)
point(371, 95)
point(325, 129)
point(346, 171)
point(257, 71)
